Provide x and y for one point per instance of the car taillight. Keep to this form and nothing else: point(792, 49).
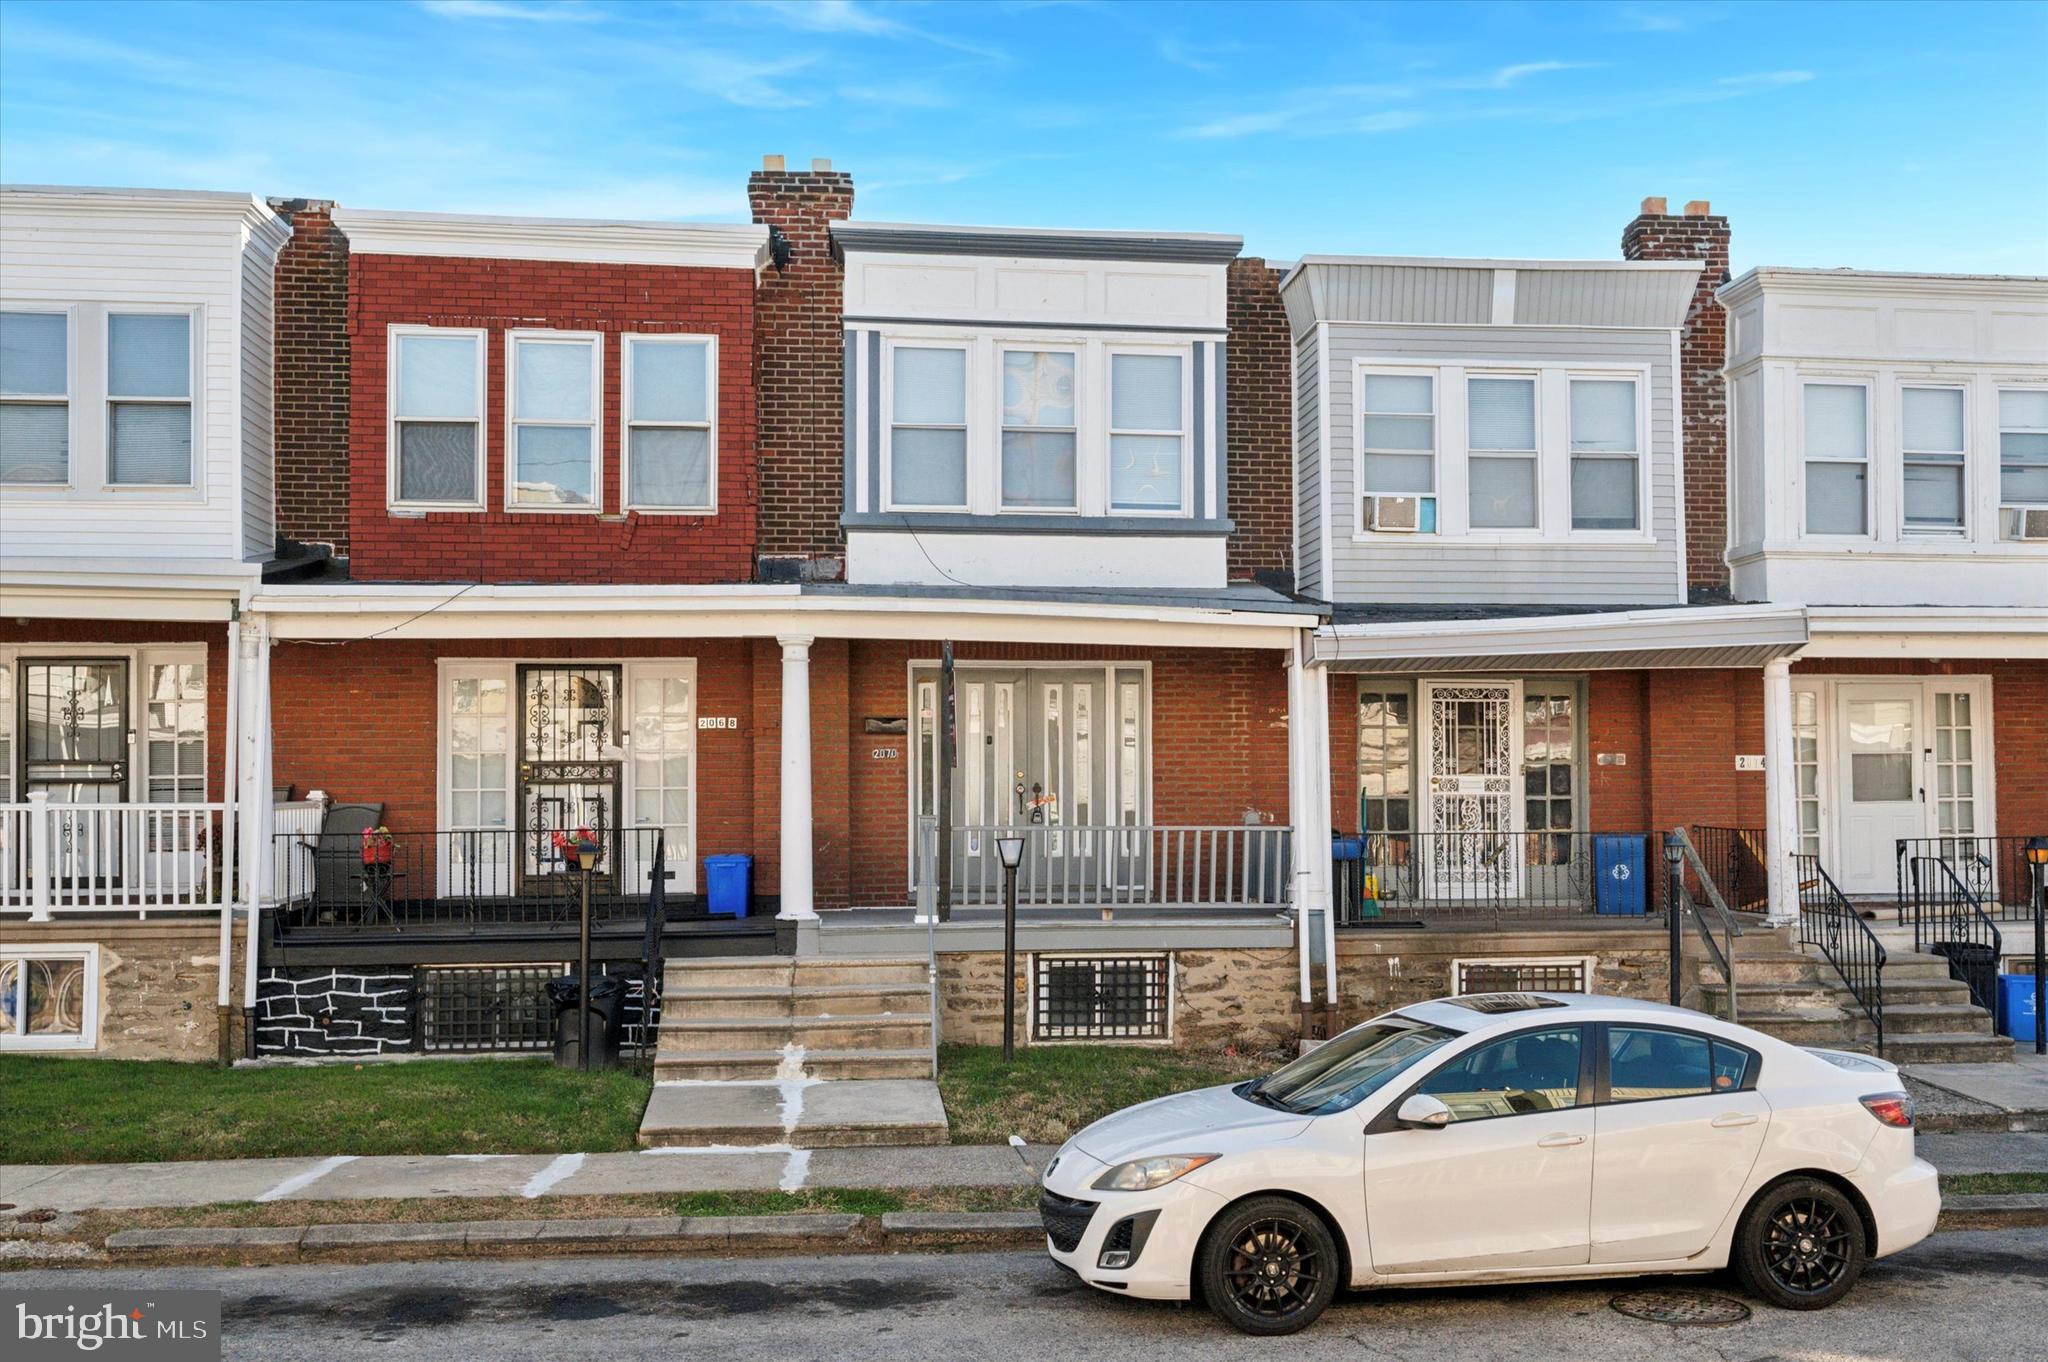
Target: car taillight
point(1894, 1109)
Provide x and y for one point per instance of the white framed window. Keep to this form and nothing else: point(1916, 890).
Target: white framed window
point(670, 400)
point(1835, 423)
point(35, 397)
point(1040, 430)
point(2023, 446)
point(1501, 460)
point(1397, 443)
point(927, 424)
point(554, 451)
point(1530, 974)
point(1148, 421)
point(1932, 445)
point(174, 730)
point(1101, 997)
point(436, 440)
point(149, 399)
point(49, 997)
point(1606, 454)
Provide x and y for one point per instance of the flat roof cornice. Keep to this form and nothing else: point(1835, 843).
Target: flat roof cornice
point(1048, 242)
point(1780, 279)
point(597, 240)
point(249, 209)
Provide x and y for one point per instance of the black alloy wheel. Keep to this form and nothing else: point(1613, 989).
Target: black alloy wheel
point(1801, 1246)
point(1269, 1266)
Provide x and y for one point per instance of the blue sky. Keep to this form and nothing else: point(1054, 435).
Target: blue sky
point(1884, 136)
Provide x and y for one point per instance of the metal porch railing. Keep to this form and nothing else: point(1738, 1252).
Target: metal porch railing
point(1993, 869)
point(1109, 867)
point(1949, 920)
point(1829, 921)
point(1487, 878)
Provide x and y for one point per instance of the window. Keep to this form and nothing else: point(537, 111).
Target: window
point(35, 397)
point(554, 445)
point(1566, 975)
point(49, 997)
point(671, 403)
point(1385, 755)
point(1806, 767)
point(1038, 437)
point(1837, 425)
point(1549, 750)
point(1530, 1071)
point(1931, 444)
point(1644, 1065)
point(1604, 454)
point(1099, 997)
point(1955, 765)
point(1397, 447)
point(437, 435)
point(2023, 446)
point(1338, 1075)
point(928, 427)
point(174, 718)
point(1146, 441)
point(149, 399)
point(1500, 433)
point(481, 1009)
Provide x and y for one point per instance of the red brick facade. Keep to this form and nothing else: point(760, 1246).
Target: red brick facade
point(1697, 234)
point(497, 545)
point(1259, 390)
point(310, 378)
point(801, 368)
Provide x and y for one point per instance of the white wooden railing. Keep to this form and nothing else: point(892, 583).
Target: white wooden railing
point(293, 824)
point(110, 858)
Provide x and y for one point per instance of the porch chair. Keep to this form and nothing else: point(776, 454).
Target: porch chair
point(336, 851)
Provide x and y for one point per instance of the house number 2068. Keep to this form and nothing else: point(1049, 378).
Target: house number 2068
point(725, 722)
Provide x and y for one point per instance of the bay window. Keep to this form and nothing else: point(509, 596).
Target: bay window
point(1932, 448)
point(1605, 454)
point(1038, 431)
point(670, 401)
point(35, 397)
point(928, 427)
point(1836, 423)
point(1500, 437)
point(149, 399)
point(2023, 446)
point(554, 444)
point(437, 424)
point(1147, 432)
point(1397, 448)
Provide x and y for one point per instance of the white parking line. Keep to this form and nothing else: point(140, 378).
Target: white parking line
point(796, 1170)
point(563, 1165)
point(299, 1181)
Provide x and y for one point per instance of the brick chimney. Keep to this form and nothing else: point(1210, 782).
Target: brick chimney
point(310, 377)
point(1258, 385)
point(1697, 233)
point(799, 355)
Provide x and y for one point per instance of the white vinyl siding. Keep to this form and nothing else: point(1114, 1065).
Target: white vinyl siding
point(437, 420)
point(35, 397)
point(556, 440)
point(1836, 427)
point(1933, 445)
point(670, 399)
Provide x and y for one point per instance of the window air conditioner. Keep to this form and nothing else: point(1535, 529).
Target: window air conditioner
point(2026, 523)
point(1393, 514)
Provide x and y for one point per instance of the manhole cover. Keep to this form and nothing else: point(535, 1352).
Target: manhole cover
point(1680, 1307)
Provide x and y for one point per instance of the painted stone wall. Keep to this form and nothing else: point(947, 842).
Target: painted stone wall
point(334, 1011)
point(1379, 971)
point(1246, 998)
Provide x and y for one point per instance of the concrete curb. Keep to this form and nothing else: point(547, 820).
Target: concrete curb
point(814, 1232)
point(2019, 1210)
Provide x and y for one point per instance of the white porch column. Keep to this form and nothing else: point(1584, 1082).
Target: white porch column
point(252, 780)
point(1308, 800)
point(1781, 794)
point(796, 778)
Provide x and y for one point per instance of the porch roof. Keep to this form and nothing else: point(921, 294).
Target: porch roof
point(170, 590)
point(1465, 638)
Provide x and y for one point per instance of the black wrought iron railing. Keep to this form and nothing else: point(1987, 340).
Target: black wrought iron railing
point(1993, 869)
point(454, 881)
point(1495, 878)
point(1949, 921)
point(1696, 897)
point(1828, 921)
point(1734, 859)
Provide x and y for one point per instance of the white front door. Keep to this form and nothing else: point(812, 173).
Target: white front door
point(1470, 769)
point(1880, 789)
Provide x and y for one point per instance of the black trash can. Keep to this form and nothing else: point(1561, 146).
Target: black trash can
point(1975, 965)
point(607, 1005)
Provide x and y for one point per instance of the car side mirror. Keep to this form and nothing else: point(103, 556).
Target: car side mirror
point(1423, 1112)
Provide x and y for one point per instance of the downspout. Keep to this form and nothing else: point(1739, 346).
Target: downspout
point(230, 880)
point(1318, 679)
point(1297, 801)
point(256, 799)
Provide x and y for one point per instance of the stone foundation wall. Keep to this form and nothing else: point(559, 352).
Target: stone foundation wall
point(158, 984)
point(1378, 971)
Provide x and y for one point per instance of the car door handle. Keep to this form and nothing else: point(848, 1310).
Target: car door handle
point(1730, 1120)
point(1560, 1141)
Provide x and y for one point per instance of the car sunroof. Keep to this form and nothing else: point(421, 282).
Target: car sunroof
point(1502, 1002)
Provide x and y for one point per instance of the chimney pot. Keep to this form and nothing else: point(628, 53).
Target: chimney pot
point(1699, 208)
point(821, 164)
point(771, 163)
point(1654, 208)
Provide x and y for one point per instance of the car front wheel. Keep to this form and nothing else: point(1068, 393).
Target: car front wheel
point(1269, 1266)
point(1800, 1246)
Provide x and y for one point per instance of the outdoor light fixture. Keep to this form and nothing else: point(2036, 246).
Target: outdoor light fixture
point(1011, 849)
point(586, 856)
point(2037, 850)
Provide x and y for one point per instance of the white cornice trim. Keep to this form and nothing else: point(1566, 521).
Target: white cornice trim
point(248, 209)
point(1879, 283)
point(600, 241)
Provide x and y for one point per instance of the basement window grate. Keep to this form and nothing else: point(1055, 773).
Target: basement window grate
point(1099, 997)
point(1522, 976)
point(473, 1009)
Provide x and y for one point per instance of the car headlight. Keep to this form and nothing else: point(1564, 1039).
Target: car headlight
point(1142, 1175)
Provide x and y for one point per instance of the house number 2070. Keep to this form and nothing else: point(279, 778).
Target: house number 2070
point(726, 722)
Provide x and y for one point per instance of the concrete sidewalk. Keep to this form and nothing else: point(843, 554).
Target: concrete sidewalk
point(1986, 1096)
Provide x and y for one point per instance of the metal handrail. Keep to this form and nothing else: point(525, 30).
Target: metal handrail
point(1964, 917)
point(1825, 916)
point(928, 912)
point(1723, 951)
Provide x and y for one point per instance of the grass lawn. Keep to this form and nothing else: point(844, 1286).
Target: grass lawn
point(1993, 1184)
point(1051, 1091)
point(136, 1111)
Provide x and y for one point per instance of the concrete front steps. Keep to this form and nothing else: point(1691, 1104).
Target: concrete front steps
point(1796, 996)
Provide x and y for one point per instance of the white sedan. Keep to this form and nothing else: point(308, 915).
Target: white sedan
point(1499, 1137)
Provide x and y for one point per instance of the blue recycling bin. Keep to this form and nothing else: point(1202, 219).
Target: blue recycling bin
point(728, 884)
point(1346, 848)
point(2016, 1006)
point(1619, 886)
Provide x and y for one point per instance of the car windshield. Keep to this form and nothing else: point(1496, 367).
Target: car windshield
point(1344, 1071)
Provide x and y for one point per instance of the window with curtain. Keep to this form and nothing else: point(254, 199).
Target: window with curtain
point(1931, 448)
point(928, 426)
point(1386, 754)
point(149, 399)
point(1146, 436)
point(437, 418)
point(35, 397)
point(1397, 452)
point(1549, 751)
point(1837, 429)
point(669, 412)
point(1038, 439)
point(554, 422)
point(1605, 454)
point(1500, 431)
point(2023, 446)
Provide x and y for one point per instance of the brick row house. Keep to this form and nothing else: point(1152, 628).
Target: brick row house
point(815, 563)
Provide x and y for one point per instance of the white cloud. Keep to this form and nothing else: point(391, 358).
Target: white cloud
point(904, 94)
point(1508, 75)
point(561, 11)
point(1307, 106)
point(849, 18)
point(1194, 56)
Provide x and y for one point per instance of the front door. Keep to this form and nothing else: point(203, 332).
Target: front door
point(1880, 791)
point(75, 738)
point(569, 764)
point(1470, 765)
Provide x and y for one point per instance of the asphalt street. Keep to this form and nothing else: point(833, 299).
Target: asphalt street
point(1967, 1297)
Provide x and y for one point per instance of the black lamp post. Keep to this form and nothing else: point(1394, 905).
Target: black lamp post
point(1011, 850)
point(2037, 857)
point(586, 863)
point(1674, 889)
